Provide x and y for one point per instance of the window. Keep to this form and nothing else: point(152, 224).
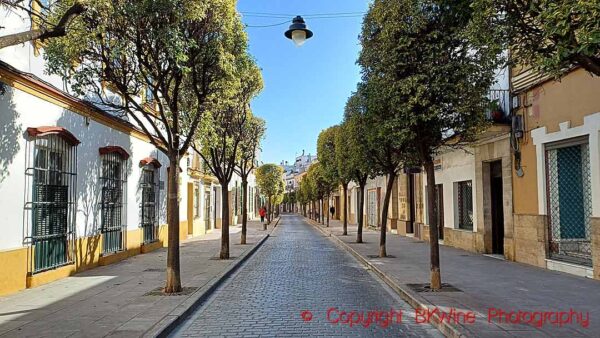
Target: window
point(50, 205)
point(464, 205)
point(113, 182)
point(569, 191)
point(149, 205)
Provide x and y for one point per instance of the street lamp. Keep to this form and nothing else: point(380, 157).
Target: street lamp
point(298, 31)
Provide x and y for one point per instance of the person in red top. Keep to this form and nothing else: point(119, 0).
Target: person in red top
point(262, 212)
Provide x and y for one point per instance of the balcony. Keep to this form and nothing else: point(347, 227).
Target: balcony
point(497, 108)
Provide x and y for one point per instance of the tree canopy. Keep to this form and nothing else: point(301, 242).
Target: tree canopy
point(549, 35)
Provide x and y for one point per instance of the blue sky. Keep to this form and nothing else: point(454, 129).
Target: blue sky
point(305, 87)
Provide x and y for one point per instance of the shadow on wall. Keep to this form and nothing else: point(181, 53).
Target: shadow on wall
point(10, 130)
point(89, 183)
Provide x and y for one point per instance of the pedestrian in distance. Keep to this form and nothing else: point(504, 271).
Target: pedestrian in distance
point(262, 212)
point(332, 211)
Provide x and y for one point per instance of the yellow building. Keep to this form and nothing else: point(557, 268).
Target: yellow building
point(557, 172)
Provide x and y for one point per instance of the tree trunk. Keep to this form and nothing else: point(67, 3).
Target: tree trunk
point(327, 211)
point(173, 283)
point(386, 205)
point(321, 216)
point(244, 209)
point(361, 207)
point(436, 278)
point(224, 221)
point(345, 187)
point(269, 210)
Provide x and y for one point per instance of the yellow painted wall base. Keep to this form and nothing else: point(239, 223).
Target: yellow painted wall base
point(16, 275)
point(151, 246)
point(113, 258)
point(14, 271)
point(50, 275)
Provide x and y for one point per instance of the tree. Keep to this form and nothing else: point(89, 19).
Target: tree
point(252, 134)
point(49, 19)
point(269, 178)
point(430, 78)
point(550, 35)
point(226, 128)
point(385, 147)
point(322, 186)
point(328, 158)
point(355, 158)
point(302, 196)
point(177, 51)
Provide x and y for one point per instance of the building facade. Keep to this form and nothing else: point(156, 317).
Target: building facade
point(80, 187)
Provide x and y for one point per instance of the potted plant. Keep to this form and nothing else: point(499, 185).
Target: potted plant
point(496, 112)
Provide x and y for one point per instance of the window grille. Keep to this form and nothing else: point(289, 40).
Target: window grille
point(465, 205)
point(51, 176)
point(113, 180)
point(149, 203)
point(569, 202)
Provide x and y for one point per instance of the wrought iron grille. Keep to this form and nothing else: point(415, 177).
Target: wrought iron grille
point(207, 203)
point(51, 177)
point(149, 205)
point(569, 203)
point(114, 185)
point(465, 205)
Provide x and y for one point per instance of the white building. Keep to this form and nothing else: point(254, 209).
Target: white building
point(80, 187)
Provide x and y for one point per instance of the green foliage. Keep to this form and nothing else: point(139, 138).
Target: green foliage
point(326, 151)
point(269, 178)
point(550, 35)
point(320, 183)
point(186, 54)
point(424, 79)
point(355, 157)
point(252, 134)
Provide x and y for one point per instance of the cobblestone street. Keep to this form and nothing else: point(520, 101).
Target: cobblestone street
point(300, 270)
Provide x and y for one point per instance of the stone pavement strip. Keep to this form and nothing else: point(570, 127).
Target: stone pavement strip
point(111, 300)
point(295, 272)
point(487, 285)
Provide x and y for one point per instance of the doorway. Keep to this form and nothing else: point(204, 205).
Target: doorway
point(497, 208)
point(412, 208)
point(439, 209)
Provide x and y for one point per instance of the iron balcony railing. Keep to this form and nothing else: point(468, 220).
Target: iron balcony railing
point(497, 106)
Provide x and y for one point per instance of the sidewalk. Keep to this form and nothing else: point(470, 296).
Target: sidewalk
point(111, 300)
point(484, 283)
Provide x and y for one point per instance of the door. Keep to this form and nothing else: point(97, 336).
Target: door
point(412, 208)
point(207, 213)
point(372, 208)
point(569, 201)
point(439, 209)
point(497, 208)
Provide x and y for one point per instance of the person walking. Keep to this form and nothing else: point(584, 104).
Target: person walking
point(332, 211)
point(262, 212)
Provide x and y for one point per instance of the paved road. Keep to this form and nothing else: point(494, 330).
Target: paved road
point(298, 270)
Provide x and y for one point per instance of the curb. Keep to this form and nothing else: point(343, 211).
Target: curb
point(411, 297)
point(170, 322)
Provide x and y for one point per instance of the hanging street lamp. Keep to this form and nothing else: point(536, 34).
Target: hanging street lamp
point(298, 31)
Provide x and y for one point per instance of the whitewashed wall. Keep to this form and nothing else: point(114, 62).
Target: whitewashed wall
point(457, 166)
